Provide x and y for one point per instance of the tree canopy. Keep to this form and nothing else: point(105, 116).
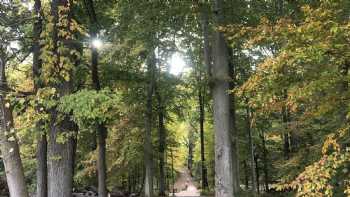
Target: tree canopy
point(258, 105)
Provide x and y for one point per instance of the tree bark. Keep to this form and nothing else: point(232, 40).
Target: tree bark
point(223, 141)
point(61, 142)
point(265, 160)
point(251, 150)
point(100, 128)
point(9, 144)
point(208, 65)
point(101, 160)
point(201, 130)
point(206, 42)
point(60, 160)
point(246, 175)
point(162, 144)
point(41, 174)
point(148, 187)
point(234, 131)
point(172, 173)
point(257, 172)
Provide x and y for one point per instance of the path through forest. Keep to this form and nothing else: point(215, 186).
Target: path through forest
point(184, 185)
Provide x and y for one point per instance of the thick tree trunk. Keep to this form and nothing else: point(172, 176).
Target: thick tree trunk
point(148, 190)
point(251, 150)
point(37, 29)
point(75, 130)
point(61, 142)
point(234, 132)
point(162, 144)
point(208, 64)
point(201, 130)
point(101, 160)
point(8, 143)
point(60, 157)
point(235, 164)
point(206, 44)
point(41, 173)
point(223, 141)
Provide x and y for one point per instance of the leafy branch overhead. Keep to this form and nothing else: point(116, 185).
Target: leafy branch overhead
point(90, 106)
point(198, 98)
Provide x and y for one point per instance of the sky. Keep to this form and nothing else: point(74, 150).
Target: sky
point(177, 64)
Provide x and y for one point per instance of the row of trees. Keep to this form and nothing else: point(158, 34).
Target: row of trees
point(265, 79)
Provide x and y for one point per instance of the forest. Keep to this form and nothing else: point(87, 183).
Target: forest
point(155, 98)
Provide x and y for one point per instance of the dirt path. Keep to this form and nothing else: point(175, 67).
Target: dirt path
point(185, 185)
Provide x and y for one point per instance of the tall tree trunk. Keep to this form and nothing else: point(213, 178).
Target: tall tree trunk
point(9, 144)
point(61, 142)
point(234, 131)
point(257, 172)
point(201, 130)
point(41, 173)
point(251, 150)
point(223, 141)
point(75, 130)
point(265, 160)
point(162, 143)
point(172, 172)
point(129, 182)
point(246, 175)
point(142, 181)
point(101, 160)
point(279, 6)
point(235, 164)
point(148, 147)
point(101, 129)
point(206, 42)
point(201, 96)
point(190, 150)
point(60, 162)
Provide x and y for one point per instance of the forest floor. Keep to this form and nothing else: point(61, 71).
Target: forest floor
point(185, 186)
